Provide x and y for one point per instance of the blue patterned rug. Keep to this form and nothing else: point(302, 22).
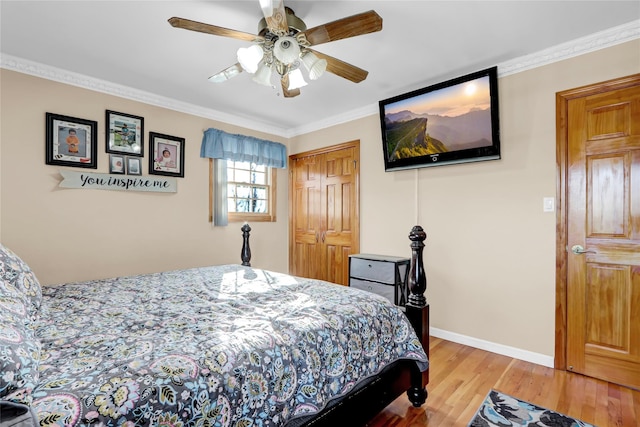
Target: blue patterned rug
point(501, 410)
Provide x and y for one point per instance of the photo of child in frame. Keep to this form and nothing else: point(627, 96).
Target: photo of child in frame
point(124, 133)
point(166, 157)
point(70, 141)
point(116, 164)
point(125, 138)
point(74, 141)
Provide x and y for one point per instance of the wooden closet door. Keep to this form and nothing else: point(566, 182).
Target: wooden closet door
point(304, 216)
point(324, 212)
point(338, 216)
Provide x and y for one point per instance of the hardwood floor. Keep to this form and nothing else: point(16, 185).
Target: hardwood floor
point(461, 377)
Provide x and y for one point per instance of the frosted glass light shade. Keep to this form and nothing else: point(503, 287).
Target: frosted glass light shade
point(296, 80)
point(314, 65)
point(263, 75)
point(286, 50)
point(226, 74)
point(250, 57)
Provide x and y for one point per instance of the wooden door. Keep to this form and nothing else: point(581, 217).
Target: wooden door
point(338, 216)
point(324, 212)
point(603, 233)
point(304, 215)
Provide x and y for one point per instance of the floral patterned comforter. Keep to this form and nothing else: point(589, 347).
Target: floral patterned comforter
point(215, 346)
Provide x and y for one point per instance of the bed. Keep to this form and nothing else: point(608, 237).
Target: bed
point(222, 345)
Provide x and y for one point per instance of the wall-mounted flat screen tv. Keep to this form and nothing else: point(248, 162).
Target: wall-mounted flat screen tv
point(456, 121)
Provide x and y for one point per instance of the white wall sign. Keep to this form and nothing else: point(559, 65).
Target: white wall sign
point(103, 181)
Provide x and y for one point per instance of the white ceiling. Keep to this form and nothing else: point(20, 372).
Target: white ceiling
point(128, 47)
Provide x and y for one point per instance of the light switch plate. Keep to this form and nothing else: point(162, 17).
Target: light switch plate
point(548, 204)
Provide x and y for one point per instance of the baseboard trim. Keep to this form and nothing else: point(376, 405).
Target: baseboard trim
point(505, 350)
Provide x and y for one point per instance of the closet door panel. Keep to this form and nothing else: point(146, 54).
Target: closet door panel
point(338, 216)
point(324, 214)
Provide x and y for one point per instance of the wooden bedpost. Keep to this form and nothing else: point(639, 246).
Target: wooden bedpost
point(246, 250)
point(417, 311)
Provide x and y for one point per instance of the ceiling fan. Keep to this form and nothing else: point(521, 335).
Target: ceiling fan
point(283, 45)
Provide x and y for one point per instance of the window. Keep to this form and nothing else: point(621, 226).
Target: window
point(245, 192)
point(250, 192)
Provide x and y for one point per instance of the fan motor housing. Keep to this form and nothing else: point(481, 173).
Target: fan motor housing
point(295, 24)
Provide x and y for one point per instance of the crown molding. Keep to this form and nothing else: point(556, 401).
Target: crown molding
point(335, 120)
point(596, 41)
point(581, 46)
point(36, 69)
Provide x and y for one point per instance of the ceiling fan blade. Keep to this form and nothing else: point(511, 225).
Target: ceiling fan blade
point(226, 74)
point(277, 21)
point(356, 25)
point(188, 24)
point(284, 81)
point(342, 69)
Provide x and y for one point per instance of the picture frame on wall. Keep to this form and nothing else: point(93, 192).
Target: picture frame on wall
point(116, 163)
point(125, 134)
point(134, 166)
point(71, 141)
point(166, 155)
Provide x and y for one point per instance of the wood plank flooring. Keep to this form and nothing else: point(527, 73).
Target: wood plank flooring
point(461, 377)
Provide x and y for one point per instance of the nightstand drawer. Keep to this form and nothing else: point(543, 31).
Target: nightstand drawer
point(380, 271)
point(386, 291)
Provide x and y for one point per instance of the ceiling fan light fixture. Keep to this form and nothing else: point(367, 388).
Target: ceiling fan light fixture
point(263, 75)
point(286, 50)
point(314, 65)
point(283, 42)
point(296, 80)
point(250, 57)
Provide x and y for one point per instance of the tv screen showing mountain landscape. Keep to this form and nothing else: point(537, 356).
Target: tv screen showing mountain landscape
point(452, 122)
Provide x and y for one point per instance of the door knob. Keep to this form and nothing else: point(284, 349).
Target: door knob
point(578, 250)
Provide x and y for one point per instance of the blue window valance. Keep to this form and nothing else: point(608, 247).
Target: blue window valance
point(217, 144)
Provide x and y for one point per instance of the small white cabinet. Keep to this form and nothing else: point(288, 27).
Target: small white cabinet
point(380, 274)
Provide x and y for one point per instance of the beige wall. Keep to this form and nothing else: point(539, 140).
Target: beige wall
point(490, 249)
point(73, 234)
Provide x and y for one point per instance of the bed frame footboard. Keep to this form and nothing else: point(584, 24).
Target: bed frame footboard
point(364, 403)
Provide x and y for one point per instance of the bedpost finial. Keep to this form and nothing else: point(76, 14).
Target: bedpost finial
point(417, 279)
point(245, 255)
point(417, 234)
